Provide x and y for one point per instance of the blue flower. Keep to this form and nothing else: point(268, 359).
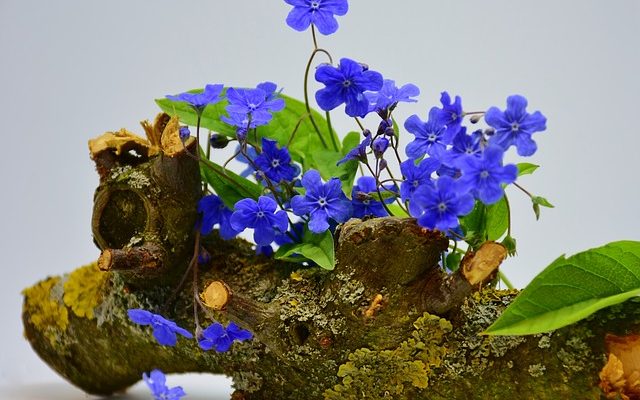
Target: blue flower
point(359, 152)
point(390, 95)
point(363, 203)
point(430, 136)
point(416, 175)
point(463, 146)
point(221, 338)
point(199, 101)
point(440, 205)
point(317, 12)
point(214, 212)
point(451, 114)
point(515, 125)
point(276, 163)
point(253, 104)
point(346, 84)
point(163, 330)
point(485, 176)
point(157, 384)
point(321, 202)
point(260, 215)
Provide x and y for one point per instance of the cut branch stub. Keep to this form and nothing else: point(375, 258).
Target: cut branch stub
point(145, 207)
point(216, 295)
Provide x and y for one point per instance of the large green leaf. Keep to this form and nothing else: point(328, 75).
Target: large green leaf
point(230, 187)
point(497, 219)
point(573, 288)
point(293, 118)
point(315, 247)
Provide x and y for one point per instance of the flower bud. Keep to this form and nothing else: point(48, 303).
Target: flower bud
point(241, 134)
point(218, 141)
point(184, 133)
point(383, 164)
point(475, 118)
point(366, 133)
point(380, 145)
point(390, 131)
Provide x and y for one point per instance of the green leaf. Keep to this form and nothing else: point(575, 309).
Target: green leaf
point(573, 288)
point(315, 247)
point(497, 219)
point(510, 244)
point(397, 211)
point(230, 187)
point(351, 140)
point(526, 168)
point(210, 116)
point(281, 127)
point(325, 162)
point(537, 202)
point(453, 260)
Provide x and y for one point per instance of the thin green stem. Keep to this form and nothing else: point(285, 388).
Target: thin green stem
point(506, 201)
point(506, 281)
point(523, 189)
point(378, 187)
point(313, 35)
point(362, 128)
point(331, 134)
point(306, 92)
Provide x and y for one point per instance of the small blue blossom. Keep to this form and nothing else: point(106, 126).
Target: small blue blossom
point(210, 95)
point(514, 126)
point(221, 338)
point(416, 175)
point(275, 163)
point(463, 146)
point(262, 216)
point(363, 203)
point(203, 256)
point(346, 84)
point(451, 114)
point(359, 152)
point(317, 12)
point(214, 212)
point(390, 95)
point(321, 202)
point(163, 330)
point(266, 251)
point(157, 383)
point(255, 105)
point(440, 205)
point(430, 136)
point(485, 176)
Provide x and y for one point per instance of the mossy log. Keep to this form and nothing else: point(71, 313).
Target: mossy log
point(386, 323)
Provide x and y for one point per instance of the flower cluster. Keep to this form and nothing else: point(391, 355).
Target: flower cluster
point(215, 336)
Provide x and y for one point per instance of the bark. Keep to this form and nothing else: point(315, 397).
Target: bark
point(386, 323)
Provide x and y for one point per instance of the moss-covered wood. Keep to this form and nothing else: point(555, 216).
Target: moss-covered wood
point(386, 323)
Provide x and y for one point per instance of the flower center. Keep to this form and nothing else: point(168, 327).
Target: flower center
point(432, 137)
point(416, 183)
point(315, 5)
point(515, 127)
point(322, 201)
point(484, 174)
point(275, 163)
point(442, 207)
point(366, 202)
point(469, 150)
point(454, 116)
point(252, 106)
point(346, 83)
point(260, 214)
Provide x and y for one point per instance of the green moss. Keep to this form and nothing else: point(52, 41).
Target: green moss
point(83, 290)
point(375, 374)
point(45, 312)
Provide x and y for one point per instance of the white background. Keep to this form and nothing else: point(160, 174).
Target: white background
point(70, 70)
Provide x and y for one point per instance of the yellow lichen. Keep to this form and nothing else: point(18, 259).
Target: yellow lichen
point(83, 290)
point(372, 374)
point(45, 313)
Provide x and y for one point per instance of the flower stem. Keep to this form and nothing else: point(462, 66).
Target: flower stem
point(306, 92)
point(331, 134)
point(506, 281)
